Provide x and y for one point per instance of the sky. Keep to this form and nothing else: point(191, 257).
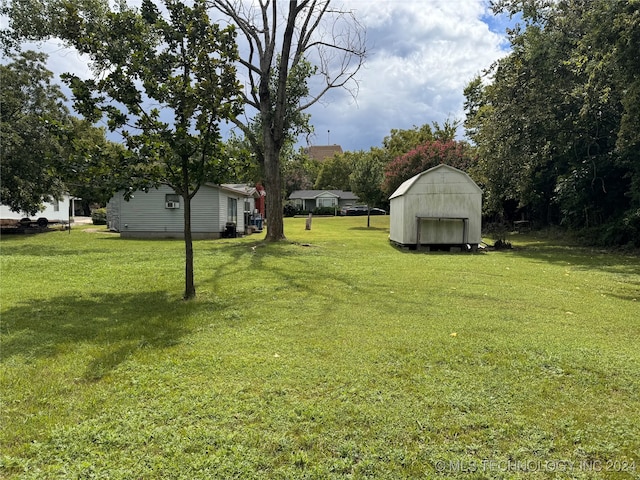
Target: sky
point(421, 55)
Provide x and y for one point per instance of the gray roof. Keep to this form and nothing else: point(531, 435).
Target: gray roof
point(309, 194)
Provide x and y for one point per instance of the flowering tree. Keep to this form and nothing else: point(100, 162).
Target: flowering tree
point(428, 155)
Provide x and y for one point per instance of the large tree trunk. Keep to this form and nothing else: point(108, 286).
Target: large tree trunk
point(273, 187)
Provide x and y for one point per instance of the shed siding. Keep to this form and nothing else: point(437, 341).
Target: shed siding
point(440, 192)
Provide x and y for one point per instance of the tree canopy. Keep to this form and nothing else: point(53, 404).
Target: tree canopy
point(165, 82)
point(32, 116)
point(366, 179)
point(334, 172)
point(556, 121)
point(430, 154)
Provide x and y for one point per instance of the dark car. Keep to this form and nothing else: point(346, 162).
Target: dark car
point(360, 210)
point(377, 211)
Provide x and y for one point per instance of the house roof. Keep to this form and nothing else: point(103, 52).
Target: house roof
point(241, 189)
point(310, 194)
point(322, 152)
point(407, 184)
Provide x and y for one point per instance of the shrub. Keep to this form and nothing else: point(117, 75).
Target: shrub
point(324, 211)
point(290, 210)
point(99, 216)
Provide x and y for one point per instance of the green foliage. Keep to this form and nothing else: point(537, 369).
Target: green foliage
point(335, 171)
point(324, 211)
point(332, 360)
point(180, 66)
point(399, 142)
point(99, 216)
point(299, 172)
point(556, 128)
point(91, 168)
point(290, 210)
point(367, 176)
point(32, 118)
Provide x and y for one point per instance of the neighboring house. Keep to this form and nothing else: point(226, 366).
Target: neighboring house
point(440, 206)
point(56, 211)
point(311, 199)
point(322, 152)
point(159, 213)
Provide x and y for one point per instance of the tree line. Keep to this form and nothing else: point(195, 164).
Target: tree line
point(556, 123)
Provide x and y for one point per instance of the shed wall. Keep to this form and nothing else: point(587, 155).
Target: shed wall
point(443, 193)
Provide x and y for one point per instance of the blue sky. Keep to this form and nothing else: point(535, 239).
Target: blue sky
point(421, 54)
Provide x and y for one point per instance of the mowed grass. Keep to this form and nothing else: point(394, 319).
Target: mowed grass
point(333, 355)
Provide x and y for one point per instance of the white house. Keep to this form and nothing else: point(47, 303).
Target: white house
point(440, 206)
point(159, 213)
point(56, 211)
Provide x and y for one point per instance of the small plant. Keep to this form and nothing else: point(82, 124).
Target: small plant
point(99, 216)
point(290, 210)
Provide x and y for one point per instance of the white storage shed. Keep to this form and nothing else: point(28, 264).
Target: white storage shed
point(441, 206)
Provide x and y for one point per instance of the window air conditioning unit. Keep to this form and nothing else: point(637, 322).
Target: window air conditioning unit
point(172, 205)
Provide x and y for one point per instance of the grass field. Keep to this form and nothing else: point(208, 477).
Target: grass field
point(334, 355)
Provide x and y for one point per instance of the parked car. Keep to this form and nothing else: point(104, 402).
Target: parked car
point(360, 210)
point(377, 211)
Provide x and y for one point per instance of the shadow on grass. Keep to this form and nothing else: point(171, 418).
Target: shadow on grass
point(438, 250)
point(284, 267)
point(545, 250)
point(112, 326)
point(370, 229)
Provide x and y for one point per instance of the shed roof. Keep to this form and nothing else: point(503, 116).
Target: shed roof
point(407, 184)
point(310, 194)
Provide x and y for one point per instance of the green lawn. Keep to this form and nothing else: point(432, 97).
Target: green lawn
point(334, 355)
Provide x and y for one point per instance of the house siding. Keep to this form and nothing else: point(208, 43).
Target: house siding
point(145, 214)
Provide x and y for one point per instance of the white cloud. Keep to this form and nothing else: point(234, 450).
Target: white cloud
point(422, 54)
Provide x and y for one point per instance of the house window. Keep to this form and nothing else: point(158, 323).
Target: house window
point(232, 210)
point(327, 202)
point(172, 200)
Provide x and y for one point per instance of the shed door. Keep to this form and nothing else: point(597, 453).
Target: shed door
point(444, 231)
